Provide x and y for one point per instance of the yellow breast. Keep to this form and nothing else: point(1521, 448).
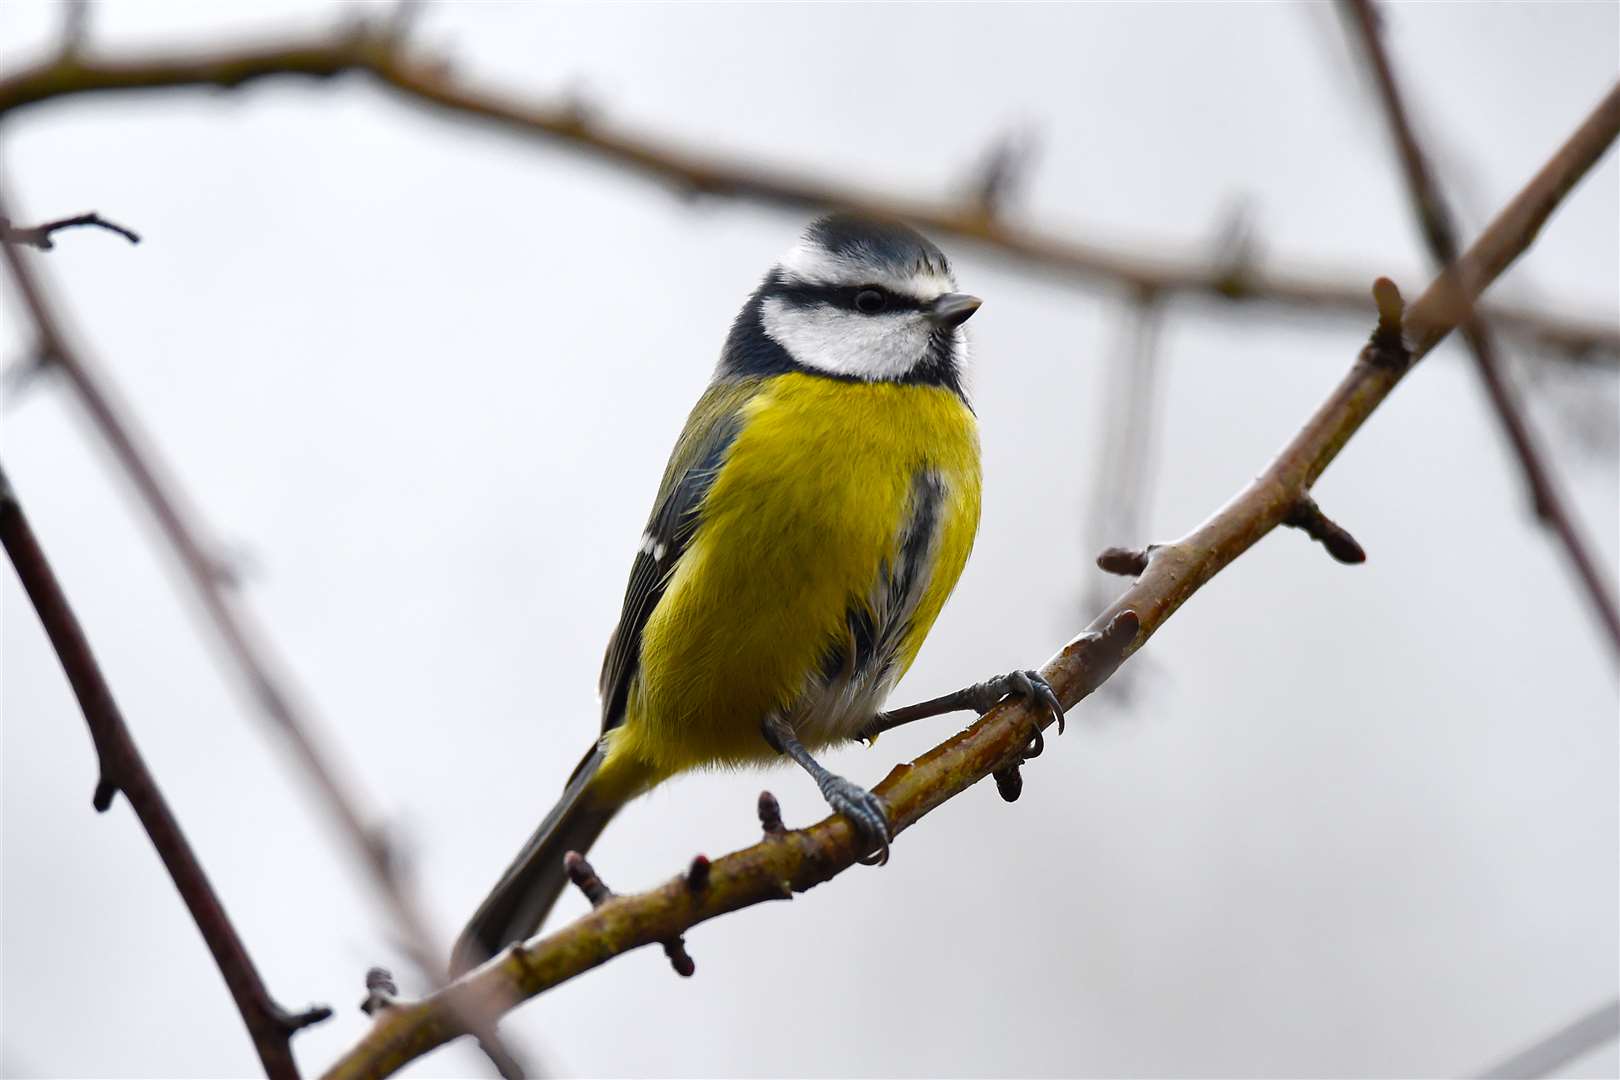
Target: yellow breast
point(803, 518)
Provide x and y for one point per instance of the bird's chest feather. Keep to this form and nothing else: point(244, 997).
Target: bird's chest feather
point(835, 529)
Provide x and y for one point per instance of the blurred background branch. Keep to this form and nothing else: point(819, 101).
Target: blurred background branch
point(1569, 1043)
point(216, 587)
point(378, 50)
point(1170, 574)
point(43, 237)
point(122, 769)
point(1551, 507)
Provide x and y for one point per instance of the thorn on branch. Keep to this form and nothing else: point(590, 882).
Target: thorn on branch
point(381, 991)
point(1308, 517)
point(294, 1022)
point(1009, 783)
point(679, 958)
point(586, 879)
point(1127, 562)
point(581, 873)
point(1387, 346)
point(770, 815)
point(1003, 172)
point(105, 791)
point(1234, 251)
point(40, 236)
point(697, 875)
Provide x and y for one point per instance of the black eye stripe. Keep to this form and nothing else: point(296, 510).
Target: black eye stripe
point(801, 294)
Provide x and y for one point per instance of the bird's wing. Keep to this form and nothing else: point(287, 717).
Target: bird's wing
point(692, 467)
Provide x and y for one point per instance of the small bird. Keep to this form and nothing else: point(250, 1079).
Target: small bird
point(813, 518)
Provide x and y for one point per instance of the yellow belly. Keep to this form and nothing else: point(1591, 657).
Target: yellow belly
point(801, 519)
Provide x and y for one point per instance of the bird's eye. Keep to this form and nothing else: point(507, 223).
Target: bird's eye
point(870, 301)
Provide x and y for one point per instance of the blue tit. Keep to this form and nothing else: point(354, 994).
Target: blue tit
point(813, 518)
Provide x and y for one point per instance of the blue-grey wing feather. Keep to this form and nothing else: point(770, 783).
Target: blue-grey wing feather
point(692, 469)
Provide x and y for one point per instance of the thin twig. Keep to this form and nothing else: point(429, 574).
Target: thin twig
point(794, 861)
point(1439, 232)
point(1124, 467)
point(377, 51)
point(122, 769)
point(1574, 1040)
point(265, 676)
point(40, 236)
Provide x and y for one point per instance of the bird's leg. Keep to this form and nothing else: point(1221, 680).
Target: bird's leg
point(864, 809)
point(980, 697)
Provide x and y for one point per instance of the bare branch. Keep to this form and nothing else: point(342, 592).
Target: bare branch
point(261, 671)
point(124, 770)
point(783, 863)
point(1548, 1055)
point(378, 52)
point(1434, 218)
point(39, 236)
point(1124, 468)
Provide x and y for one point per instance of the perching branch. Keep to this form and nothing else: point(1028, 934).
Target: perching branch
point(249, 649)
point(124, 770)
point(1440, 233)
point(787, 862)
point(378, 52)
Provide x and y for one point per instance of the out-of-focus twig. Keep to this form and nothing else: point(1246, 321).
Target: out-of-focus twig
point(1548, 1055)
point(124, 770)
point(375, 49)
point(265, 676)
point(785, 862)
point(1124, 466)
point(41, 236)
point(1434, 218)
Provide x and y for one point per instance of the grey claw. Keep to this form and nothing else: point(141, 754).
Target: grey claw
point(865, 811)
point(1037, 745)
point(1048, 698)
point(1033, 688)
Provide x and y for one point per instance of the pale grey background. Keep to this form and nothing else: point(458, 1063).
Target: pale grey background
point(1355, 821)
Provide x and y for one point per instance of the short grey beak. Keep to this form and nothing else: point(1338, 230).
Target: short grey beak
point(953, 309)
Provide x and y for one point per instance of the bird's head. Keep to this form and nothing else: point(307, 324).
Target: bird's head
point(856, 298)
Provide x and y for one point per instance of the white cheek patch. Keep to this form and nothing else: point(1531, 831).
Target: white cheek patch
point(841, 342)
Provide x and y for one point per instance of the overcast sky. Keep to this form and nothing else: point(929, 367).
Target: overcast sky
point(422, 379)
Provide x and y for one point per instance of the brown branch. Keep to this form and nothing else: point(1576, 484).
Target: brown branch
point(1434, 218)
point(378, 53)
point(40, 236)
point(124, 770)
point(261, 671)
point(789, 862)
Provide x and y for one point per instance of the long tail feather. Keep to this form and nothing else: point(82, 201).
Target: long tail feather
point(518, 904)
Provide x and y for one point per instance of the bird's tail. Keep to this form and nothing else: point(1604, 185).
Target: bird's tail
point(518, 904)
